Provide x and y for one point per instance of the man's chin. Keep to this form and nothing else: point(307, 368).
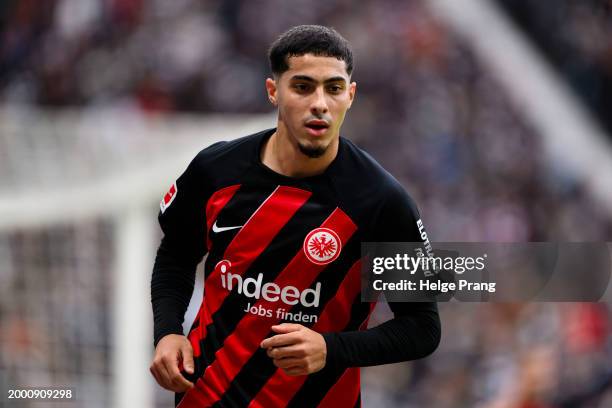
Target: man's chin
point(312, 151)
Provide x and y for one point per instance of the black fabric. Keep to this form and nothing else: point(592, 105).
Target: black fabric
point(413, 333)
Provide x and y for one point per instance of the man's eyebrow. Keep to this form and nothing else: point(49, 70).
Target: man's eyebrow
point(335, 79)
point(310, 79)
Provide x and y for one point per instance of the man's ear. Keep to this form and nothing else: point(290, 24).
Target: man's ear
point(271, 89)
point(352, 91)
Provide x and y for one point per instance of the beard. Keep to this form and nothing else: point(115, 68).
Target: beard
point(312, 151)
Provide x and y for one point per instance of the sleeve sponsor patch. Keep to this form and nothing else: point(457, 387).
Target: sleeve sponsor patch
point(168, 198)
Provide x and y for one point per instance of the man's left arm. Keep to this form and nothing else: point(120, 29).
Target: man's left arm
point(414, 332)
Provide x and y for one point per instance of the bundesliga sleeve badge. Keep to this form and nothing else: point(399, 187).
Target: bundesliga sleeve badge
point(168, 198)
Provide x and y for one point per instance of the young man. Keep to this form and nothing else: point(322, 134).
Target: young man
point(282, 214)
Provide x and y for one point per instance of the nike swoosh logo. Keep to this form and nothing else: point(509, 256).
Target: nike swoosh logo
point(221, 229)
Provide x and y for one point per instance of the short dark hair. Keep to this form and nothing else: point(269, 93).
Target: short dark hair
point(309, 39)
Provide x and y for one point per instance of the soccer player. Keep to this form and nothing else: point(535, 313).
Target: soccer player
point(281, 214)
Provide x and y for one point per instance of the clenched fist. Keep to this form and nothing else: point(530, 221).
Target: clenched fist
point(173, 351)
point(297, 349)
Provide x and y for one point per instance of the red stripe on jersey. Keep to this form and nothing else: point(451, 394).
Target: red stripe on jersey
point(345, 392)
point(281, 387)
point(215, 204)
point(337, 312)
point(252, 239)
point(194, 335)
point(245, 340)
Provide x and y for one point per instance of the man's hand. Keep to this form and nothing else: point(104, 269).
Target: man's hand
point(297, 349)
point(172, 351)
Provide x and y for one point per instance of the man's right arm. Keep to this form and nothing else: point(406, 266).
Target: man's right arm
point(183, 221)
point(182, 218)
point(171, 289)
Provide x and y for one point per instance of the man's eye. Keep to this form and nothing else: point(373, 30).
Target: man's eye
point(300, 87)
point(335, 88)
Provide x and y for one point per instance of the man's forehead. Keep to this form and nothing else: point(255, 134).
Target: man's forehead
point(316, 67)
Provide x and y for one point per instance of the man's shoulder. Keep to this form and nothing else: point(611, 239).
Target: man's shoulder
point(237, 152)
point(368, 192)
point(359, 166)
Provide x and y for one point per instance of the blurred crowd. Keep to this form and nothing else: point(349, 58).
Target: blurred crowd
point(581, 49)
point(426, 109)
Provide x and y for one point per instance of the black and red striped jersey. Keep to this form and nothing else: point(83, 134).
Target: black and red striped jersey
point(282, 249)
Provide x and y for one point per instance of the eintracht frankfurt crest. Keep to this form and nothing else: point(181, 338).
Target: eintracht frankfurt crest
point(322, 246)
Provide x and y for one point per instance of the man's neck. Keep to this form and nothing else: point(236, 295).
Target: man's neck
point(282, 155)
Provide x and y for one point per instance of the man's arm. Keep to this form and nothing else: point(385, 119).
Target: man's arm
point(171, 289)
point(183, 221)
point(182, 218)
point(413, 333)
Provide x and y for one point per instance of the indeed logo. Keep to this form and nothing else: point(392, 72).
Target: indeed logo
point(270, 291)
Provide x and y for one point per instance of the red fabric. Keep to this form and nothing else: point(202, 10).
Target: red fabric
point(345, 392)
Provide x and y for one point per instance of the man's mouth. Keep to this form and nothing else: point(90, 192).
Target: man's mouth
point(317, 127)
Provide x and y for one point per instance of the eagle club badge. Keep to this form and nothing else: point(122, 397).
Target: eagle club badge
point(168, 198)
point(322, 246)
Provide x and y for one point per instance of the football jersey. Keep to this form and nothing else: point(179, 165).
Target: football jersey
point(280, 249)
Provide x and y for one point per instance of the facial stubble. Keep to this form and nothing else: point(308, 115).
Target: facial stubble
point(312, 151)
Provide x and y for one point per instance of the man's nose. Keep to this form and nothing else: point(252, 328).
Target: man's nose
point(319, 103)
